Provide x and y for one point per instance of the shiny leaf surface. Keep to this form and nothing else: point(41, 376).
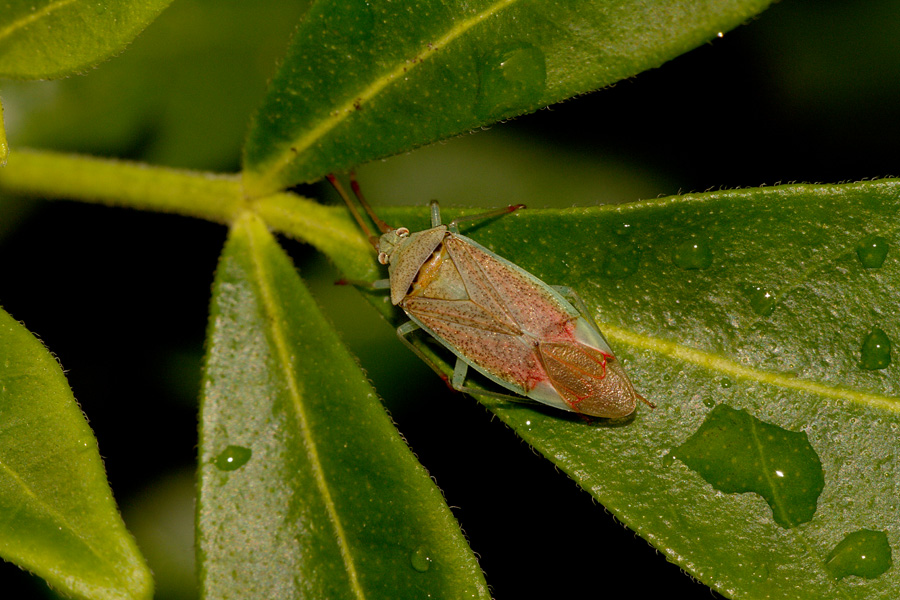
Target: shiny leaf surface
point(59, 517)
point(366, 79)
point(753, 303)
point(42, 39)
point(306, 488)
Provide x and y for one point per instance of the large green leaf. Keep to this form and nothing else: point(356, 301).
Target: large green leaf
point(59, 519)
point(41, 39)
point(306, 488)
point(758, 321)
point(365, 79)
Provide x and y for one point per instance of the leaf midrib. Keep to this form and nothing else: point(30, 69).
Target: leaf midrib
point(28, 19)
point(301, 143)
point(273, 312)
point(57, 516)
point(723, 365)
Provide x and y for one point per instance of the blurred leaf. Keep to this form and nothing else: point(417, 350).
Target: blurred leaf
point(306, 488)
point(181, 95)
point(42, 39)
point(366, 79)
point(754, 300)
point(60, 520)
point(4, 147)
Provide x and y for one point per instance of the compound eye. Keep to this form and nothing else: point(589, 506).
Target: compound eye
point(383, 258)
point(402, 232)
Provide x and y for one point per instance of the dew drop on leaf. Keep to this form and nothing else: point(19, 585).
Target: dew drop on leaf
point(692, 254)
point(762, 300)
point(736, 453)
point(864, 553)
point(233, 458)
point(420, 559)
point(512, 79)
point(872, 251)
point(876, 350)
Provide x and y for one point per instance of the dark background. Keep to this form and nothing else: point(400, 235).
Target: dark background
point(806, 92)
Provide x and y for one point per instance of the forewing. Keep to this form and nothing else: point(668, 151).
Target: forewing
point(529, 302)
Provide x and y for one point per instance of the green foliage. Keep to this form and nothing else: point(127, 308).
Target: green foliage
point(60, 519)
point(299, 462)
point(760, 322)
point(382, 82)
point(44, 39)
point(694, 339)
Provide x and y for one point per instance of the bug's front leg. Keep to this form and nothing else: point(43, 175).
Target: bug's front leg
point(381, 284)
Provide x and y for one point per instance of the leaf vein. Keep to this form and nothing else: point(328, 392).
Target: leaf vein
point(27, 20)
point(283, 357)
point(351, 106)
point(724, 365)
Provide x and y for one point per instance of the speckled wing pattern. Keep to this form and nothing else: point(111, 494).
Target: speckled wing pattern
point(504, 322)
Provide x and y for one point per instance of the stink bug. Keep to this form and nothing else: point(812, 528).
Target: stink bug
point(497, 318)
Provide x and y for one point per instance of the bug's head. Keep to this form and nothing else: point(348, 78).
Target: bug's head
point(389, 242)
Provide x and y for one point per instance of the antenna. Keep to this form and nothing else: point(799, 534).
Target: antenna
point(373, 239)
point(384, 227)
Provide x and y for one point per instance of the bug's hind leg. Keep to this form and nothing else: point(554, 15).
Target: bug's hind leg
point(460, 370)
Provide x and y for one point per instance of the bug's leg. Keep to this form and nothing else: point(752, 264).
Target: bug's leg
point(381, 284)
point(459, 370)
point(459, 378)
point(454, 224)
point(435, 213)
point(459, 374)
point(408, 328)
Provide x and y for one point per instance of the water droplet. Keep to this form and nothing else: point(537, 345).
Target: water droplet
point(865, 553)
point(876, 350)
point(726, 383)
point(872, 251)
point(233, 458)
point(735, 453)
point(419, 559)
point(511, 79)
point(709, 402)
point(762, 300)
point(692, 254)
point(668, 460)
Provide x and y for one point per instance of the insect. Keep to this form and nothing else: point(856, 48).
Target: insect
point(496, 317)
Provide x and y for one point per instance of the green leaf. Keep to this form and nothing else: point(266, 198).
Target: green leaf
point(306, 488)
point(41, 39)
point(181, 95)
point(745, 317)
point(4, 146)
point(366, 79)
point(59, 517)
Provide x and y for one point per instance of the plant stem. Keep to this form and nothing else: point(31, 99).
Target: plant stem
point(208, 196)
